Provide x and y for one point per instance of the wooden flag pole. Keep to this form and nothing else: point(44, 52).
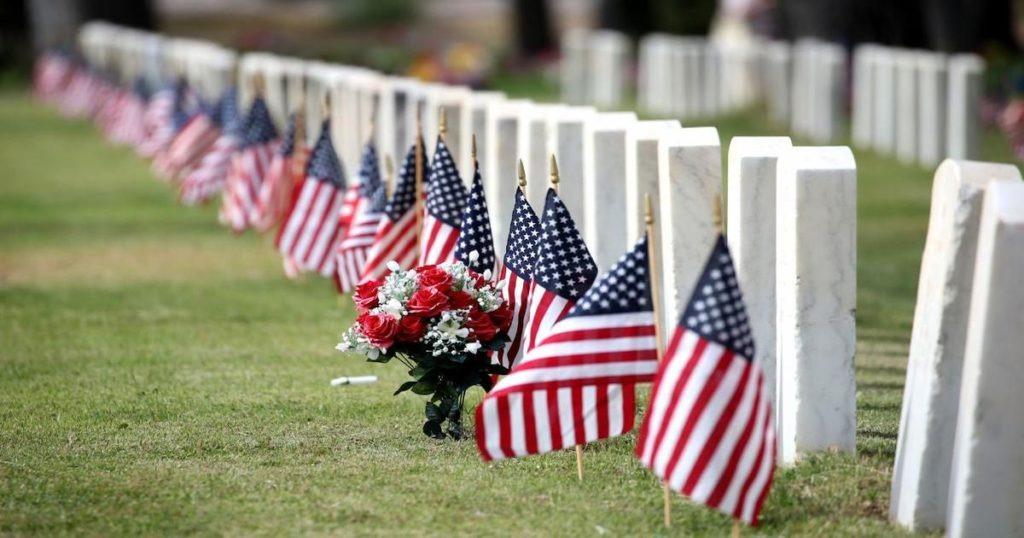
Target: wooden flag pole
point(472, 150)
point(554, 186)
point(716, 219)
point(522, 176)
point(389, 173)
point(659, 331)
point(299, 144)
point(419, 174)
point(442, 125)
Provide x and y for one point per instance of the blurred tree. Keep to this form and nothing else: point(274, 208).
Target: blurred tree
point(632, 17)
point(533, 27)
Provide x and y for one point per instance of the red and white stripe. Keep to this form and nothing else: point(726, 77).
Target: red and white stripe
point(708, 431)
point(279, 187)
point(439, 239)
point(310, 233)
point(158, 123)
point(516, 293)
point(355, 245)
point(545, 310)
point(245, 177)
point(187, 148)
point(394, 241)
point(576, 387)
point(208, 177)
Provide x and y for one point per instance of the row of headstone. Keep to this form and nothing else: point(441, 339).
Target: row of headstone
point(920, 106)
point(958, 458)
point(129, 54)
point(795, 244)
point(692, 77)
point(817, 87)
point(595, 67)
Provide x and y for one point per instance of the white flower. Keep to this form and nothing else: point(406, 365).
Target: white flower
point(473, 347)
point(393, 266)
point(473, 256)
point(393, 308)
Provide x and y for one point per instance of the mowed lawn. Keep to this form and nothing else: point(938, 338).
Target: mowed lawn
point(159, 375)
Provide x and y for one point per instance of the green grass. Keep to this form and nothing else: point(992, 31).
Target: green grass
point(159, 376)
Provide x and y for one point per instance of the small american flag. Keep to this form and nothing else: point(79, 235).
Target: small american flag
point(579, 384)
point(160, 118)
point(127, 129)
point(279, 185)
point(187, 147)
point(362, 228)
point(208, 177)
point(248, 167)
point(445, 198)
point(475, 229)
point(395, 239)
point(563, 272)
point(310, 232)
point(517, 273)
point(708, 429)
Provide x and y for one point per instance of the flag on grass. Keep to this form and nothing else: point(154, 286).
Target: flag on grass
point(708, 430)
point(309, 234)
point(578, 385)
point(475, 229)
point(517, 273)
point(395, 239)
point(362, 227)
point(445, 198)
point(158, 121)
point(562, 273)
point(193, 140)
point(208, 177)
point(128, 127)
point(248, 166)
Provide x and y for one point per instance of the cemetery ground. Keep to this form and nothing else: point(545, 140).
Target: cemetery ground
point(160, 376)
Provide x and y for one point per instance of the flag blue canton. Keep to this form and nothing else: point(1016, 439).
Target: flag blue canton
point(521, 249)
point(259, 128)
point(716, 310)
point(445, 193)
point(228, 117)
point(379, 199)
point(323, 163)
point(564, 265)
point(141, 88)
point(625, 288)
point(475, 232)
point(288, 140)
point(369, 172)
point(404, 196)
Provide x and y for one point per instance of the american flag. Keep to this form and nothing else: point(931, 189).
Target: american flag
point(395, 239)
point(128, 127)
point(445, 198)
point(188, 146)
point(248, 167)
point(475, 230)
point(358, 238)
point(158, 121)
point(310, 233)
point(517, 273)
point(579, 384)
point(50, 76)
point(281, 179)
point(563, 272)
point(80, 98)
point(207, 178)
point(708, 430)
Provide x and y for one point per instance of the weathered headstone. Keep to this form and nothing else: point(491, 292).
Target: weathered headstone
point(965, 82)
point(536, 156)
point(987, 486)
point(863, 91)
point(574, 67)
point(479, 103)
point(920, 482)
point(608, 54)
point(642, 170)
point(604, 186)
point(565, 141)
point(751, 234)
point(689, 183)
point(816, 293)
point(883, 122)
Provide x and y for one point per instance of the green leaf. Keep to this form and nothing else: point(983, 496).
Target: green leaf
point(419, 371)
point(423, 387)
point(404, 387)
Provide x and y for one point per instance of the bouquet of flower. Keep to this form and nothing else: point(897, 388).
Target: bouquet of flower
point(442, 322)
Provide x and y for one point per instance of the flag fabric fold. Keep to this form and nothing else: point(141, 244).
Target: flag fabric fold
point(248, 167)
point(396, 239)
point(362, 226)
point(578, 384)
point(207, 178)
point(283, 176)
point(475, 229)
point(517, 274)
point(708, 430)
point(446, 197)
point(308, 236)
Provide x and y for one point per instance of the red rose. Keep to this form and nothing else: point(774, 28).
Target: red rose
point(502, 316)
point(365, 295)
point(460, 300)
point(410, 329)
point(432, 276)
point(478, 280)
point(481, 325)
point(379, 329)
point(427, 302)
